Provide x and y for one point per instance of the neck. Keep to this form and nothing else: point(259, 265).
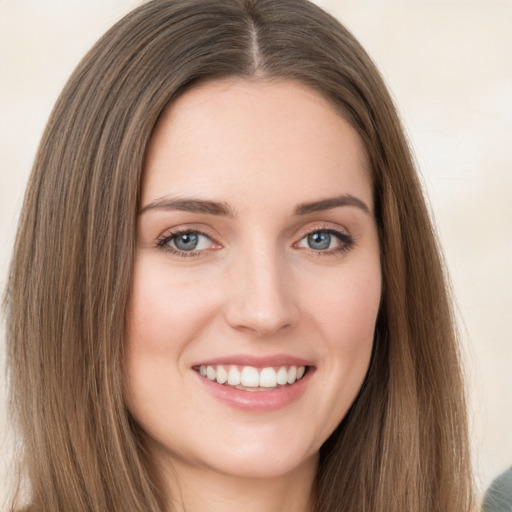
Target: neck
point(193, 489)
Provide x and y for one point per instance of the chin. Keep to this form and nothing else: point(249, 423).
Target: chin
point(261, 458)
point(266, 466)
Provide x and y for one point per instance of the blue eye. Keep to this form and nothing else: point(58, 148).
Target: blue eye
point(319, 241)
point(185, 243)
point(326, 240)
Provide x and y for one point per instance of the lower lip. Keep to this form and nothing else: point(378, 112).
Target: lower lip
point(258, 401)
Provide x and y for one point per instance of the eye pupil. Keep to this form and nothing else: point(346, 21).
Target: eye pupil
point(319, 240)
point(187, 241)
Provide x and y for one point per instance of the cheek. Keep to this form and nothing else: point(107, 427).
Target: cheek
point(165, 312)
point(345, 307)
point(344, 312)
point(164, 316)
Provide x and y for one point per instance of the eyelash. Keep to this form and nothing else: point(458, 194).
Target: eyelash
point(346, 241)
point(163, 243)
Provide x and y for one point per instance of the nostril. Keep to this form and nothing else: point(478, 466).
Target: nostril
point(262, 331)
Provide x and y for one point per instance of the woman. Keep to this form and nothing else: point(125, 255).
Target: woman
point(226, 291)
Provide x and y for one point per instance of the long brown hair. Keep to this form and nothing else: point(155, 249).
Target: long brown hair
point(403, 445)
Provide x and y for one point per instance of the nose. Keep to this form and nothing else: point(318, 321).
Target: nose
point(260, 295)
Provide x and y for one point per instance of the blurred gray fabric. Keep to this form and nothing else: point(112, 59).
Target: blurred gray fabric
point(498, 497)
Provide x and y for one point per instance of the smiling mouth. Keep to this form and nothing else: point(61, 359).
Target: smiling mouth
point(250, 378)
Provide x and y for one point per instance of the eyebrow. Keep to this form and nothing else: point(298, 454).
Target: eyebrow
point(189, 205)
point(223, 209)
point(330, 203)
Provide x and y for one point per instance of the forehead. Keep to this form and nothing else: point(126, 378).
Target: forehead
point(258, 139)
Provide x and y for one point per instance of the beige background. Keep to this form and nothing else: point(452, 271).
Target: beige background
point(448, 64)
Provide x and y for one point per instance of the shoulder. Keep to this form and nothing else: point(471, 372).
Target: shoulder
point(498, 497)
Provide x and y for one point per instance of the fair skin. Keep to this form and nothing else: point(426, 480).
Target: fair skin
point(242, 266)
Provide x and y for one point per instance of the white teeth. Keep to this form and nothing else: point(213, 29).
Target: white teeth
point(251, 377)
point(282, 376)
point(233, 376)
point(292, 374)
point(268, 378)
point(222, 374)
point(211, 373)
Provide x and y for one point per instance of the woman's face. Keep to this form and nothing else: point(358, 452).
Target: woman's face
point(257, 279)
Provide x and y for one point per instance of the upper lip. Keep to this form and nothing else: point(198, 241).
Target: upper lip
point(256, 361)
